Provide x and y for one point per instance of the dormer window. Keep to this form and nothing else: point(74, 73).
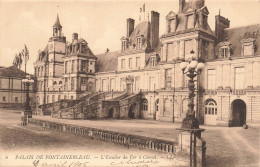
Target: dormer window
point(224, 49)
point(123, 46)
point(224, 52)
point(248, 47)
point(152, 61)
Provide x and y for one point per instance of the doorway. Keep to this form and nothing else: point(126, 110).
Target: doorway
point(131, 112)
point(238, 113)
point(111, 113)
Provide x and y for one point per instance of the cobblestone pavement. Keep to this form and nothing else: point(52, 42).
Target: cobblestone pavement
point(225, 146)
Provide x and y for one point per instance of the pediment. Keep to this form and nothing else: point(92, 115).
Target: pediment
point(224, 44)
point(171, 15)
point(205, 10)
point(248, 40)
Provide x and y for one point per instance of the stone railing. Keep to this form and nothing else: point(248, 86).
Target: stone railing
point(116, 137)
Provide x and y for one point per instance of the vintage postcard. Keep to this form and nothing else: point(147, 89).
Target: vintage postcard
point(118, 83)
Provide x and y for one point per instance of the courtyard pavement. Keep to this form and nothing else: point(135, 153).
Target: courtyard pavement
point(226, 146)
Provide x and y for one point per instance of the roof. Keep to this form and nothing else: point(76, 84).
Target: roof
point(57, 23)
point(141, 29)
point(235, 35)
point(12, 71)
point(107, 61)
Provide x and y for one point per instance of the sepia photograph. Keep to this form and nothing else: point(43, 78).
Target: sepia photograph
point(129, 83)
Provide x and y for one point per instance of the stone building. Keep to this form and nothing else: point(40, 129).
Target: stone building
point(147, 68)
point(12, 90)
point(64, 70)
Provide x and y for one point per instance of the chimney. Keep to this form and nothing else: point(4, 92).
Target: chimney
point(181, 5)
point(75, 36)
point(130, 26)
point(220, 24)
point(154, 36)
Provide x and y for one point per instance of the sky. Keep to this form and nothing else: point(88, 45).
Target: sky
point(101, 23)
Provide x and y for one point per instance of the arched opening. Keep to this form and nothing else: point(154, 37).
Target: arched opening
point(238, 117)
point(110, 113)
point(131, 112)
point(54, 83)
point(210, 115)
point(60, 83)
point(144, 105)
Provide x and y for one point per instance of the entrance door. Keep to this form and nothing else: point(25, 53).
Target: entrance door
point(210, 117)
point(110, 113)
point(238, 113)
point(131, 112)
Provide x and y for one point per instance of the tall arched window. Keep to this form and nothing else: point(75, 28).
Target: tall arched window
point(145, 105)
point(211, 107)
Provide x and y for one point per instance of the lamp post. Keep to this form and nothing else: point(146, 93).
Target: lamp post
point(27, 113)
point(192, 68)
point(190, 131)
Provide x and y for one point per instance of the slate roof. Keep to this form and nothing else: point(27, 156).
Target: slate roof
point(235, 35)
point(107, 62)
point(141, 29)
point(12, 71)
point(57, 23)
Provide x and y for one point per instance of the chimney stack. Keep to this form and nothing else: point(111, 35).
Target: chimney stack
point(154, 36)
point(181, 5)
point(220, 24)
point(130, 26)
point(75, 36)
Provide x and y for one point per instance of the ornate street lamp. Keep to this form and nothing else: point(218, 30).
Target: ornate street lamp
point(27, 113)
point(190, 131)
point(192, 68)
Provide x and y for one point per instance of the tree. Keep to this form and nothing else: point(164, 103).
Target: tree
point(25, 56)
point(17, 62)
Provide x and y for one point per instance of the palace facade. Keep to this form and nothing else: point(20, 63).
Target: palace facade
point(227, 90)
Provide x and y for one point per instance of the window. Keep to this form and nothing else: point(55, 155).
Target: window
point(60, 83)
point(239, 78)
point(145, 105)
point(122, 84)
point(139, 45)
point(152, 84)
point(248, 50)
point(224, 52)
point(168, 78)
point(54, 83)
point(122, 63)
point(72, 83)
point(123, 46)
point(189, 46)
point(130, 62)
point(211, 79)
point(53, 98)
point(65, 97)
point(16, 99)
point(72, 66)
point(152, 62)
point(169, 54)
point(71, 97)
point(157, 105)
point(66, 84)
point(66, 66)
point(137, 83)
point(211, 107)
point(4, 99)
point(58, 97)
point(84, 65)
point(137, 62)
